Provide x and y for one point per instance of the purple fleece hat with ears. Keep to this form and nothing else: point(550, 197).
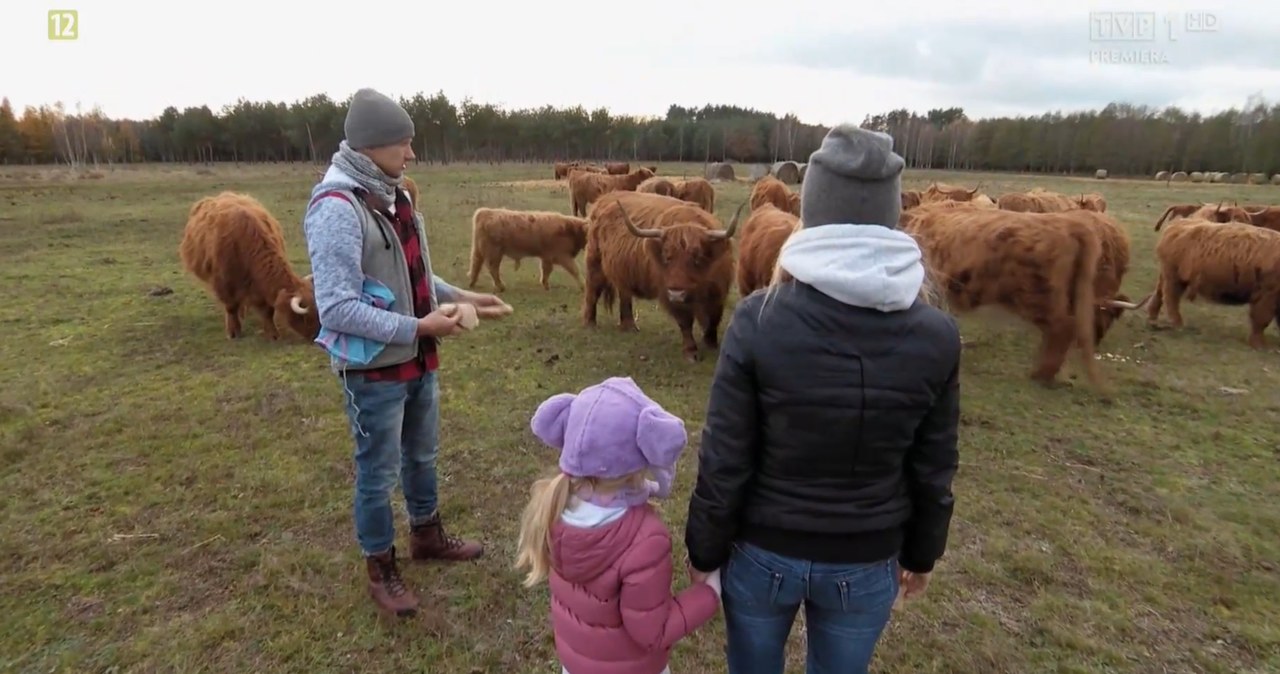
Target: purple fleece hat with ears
point(610, 430)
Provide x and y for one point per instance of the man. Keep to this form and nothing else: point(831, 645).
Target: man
point(361, 225)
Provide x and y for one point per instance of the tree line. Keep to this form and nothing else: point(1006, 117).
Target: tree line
point(1122, 138)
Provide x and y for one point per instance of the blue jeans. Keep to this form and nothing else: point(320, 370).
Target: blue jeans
point(846, 609)
point(395, 426)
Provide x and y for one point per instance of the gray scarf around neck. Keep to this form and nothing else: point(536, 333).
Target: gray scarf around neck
point(366, 173)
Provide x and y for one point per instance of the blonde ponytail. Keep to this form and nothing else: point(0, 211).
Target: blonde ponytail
point(548, 498)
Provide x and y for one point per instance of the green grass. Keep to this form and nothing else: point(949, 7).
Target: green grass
point(176, 501)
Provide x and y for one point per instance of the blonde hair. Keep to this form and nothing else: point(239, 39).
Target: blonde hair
point(929, 293)
point(548, 498)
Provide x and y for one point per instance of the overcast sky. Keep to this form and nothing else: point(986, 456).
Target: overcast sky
point(827, 61)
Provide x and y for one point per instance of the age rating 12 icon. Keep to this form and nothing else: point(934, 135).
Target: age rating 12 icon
point(64, 24)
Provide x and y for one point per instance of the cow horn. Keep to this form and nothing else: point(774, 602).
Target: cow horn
point(307, 277)
point(733, 225)
point(975, 190)
point(295, 303)
point(1121, 304)
point(642, 233)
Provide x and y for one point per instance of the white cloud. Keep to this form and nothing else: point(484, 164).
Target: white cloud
point(826, 61)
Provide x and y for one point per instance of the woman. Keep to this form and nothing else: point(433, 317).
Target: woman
point(824, 476)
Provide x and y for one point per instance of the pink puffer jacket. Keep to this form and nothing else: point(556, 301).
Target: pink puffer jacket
point(611, 604)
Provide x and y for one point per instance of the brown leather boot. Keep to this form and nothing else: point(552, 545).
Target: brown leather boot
point(387, 588)
point(429, 541)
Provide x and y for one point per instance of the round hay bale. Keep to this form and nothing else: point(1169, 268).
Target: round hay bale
point(803, 168)
point(719, 171)
point(1179, 177)
point(1275, 179)
point(1239, 178)
point(787, 171)
point(1197, 177)
point(1100, 174)
point(759, 171)
point(1257, 179)
point(1218, 177)
point(1163, 175)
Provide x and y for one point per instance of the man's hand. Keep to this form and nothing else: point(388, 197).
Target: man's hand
point(487, 306)
point(436, 324)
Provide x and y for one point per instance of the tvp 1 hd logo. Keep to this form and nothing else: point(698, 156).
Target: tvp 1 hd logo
point(1149, 35)
point(64, 24)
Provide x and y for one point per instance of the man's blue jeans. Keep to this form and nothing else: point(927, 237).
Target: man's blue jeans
point(846, 609)
point(395, 426)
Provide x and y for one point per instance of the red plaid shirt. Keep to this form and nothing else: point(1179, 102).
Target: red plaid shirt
point(427, 359)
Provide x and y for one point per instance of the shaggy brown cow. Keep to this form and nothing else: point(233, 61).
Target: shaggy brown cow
point(657, 185)
point(1043, 268)
point(552, 237)
point(235, 247)
point(1093, 202)
point(943, 192)
point(770, 190)
point(911, 199)
point(561, 168)
point(617, 168)
point(763, 234)
point(586, 188)
point(649, 246)
point(1038, 200)
point(1267, 217)
point(412, 188)
point(696, 191)
point(1230, 263)
point(1211, 212)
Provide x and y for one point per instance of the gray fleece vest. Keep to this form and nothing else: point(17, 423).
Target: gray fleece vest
point(388, 265)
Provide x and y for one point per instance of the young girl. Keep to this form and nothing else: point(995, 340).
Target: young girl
point(591, 532)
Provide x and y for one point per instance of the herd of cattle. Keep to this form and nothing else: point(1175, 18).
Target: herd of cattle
point(1057, 262)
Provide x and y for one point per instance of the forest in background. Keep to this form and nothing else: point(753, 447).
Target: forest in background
point(1122, 138)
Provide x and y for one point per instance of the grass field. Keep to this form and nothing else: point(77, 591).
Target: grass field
point(176, 501)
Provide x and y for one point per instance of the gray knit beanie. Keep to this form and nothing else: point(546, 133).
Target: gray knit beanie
point(855, 178)
point(374, 120)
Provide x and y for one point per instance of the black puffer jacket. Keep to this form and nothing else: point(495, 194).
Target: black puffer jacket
point(831, 428)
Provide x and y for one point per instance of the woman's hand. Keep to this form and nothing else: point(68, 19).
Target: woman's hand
point(913, 584)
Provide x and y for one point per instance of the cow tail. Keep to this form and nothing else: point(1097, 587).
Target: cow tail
point(1088, 255)
point(477, 253)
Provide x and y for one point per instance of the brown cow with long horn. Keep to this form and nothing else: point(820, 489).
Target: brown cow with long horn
point(655, 247)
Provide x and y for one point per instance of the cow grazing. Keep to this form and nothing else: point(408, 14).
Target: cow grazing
point(617, 168)
point(586, 188)
point(770, 190)
point(1211, 212)
point(554, 238)
point(235, 247)
point(1231, 264)
point(561, 168)
point(1043, 268)
point(653, 247)
point(763, 234)
point(656, 185)
point(697, 191)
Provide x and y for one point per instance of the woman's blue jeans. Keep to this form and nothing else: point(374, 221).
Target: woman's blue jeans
point(846, 609)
